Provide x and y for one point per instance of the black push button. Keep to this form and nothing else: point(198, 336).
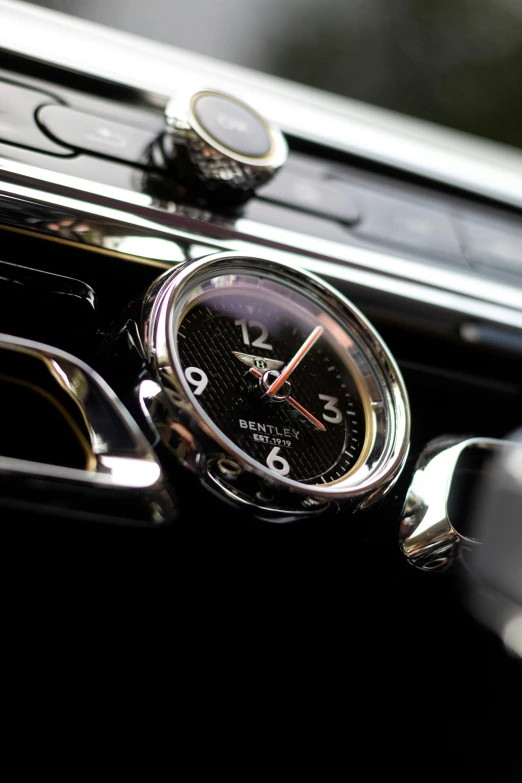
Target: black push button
point(18, 126)
point(492, 245)
point(400, 223)
point(316, 196)
point(94, 134)
point(233, 125)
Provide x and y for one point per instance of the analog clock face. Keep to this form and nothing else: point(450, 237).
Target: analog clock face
point(277, 375)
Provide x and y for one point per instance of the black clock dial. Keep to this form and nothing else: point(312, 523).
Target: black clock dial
point(313, 429)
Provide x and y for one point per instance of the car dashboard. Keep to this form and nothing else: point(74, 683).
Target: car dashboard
point(417, 227)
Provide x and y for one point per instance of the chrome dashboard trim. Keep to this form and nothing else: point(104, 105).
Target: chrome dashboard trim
point(408, 144)
point(118, 222)
point(148, 226)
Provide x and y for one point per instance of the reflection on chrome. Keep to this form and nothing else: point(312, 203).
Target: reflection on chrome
point(491, 549)
point(134, 218)
point(429, 537)
point(118, 463)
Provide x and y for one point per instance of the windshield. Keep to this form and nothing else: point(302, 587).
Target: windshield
point(455, 63)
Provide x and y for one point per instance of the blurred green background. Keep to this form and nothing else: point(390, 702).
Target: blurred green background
point(453, 62)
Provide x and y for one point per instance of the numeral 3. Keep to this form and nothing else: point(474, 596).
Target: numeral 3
point(331, 402)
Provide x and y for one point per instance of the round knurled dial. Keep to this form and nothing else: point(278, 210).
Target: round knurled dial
point(222, 144)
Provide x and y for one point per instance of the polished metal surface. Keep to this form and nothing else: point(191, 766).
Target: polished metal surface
point(385, 400)
point(122, 480)
point(490, 550)
point(135, 226)
point(214, 163)
point(428, 538)
point(156, 70)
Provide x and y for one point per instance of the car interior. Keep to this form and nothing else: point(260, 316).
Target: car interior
point(198, 261)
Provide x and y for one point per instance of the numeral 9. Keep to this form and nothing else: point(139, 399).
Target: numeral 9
point(196, 378)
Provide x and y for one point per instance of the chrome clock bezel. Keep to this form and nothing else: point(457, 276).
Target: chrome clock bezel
point(388, 404)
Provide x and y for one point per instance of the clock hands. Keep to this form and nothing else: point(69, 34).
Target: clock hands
point(294, 361)
point(294, 403)
point(258, 363)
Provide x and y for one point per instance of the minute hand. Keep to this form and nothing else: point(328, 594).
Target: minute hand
point(293, 402)
point(292, 364)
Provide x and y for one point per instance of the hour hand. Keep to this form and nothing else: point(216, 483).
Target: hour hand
point(295, 404)
point(258, 362)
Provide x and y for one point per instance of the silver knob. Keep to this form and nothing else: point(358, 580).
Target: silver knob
point(218, 145)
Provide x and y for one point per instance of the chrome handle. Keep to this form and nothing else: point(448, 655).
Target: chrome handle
point(120, 480)
point(429, 537)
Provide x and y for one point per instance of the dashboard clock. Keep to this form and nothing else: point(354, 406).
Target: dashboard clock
point(279, 392)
